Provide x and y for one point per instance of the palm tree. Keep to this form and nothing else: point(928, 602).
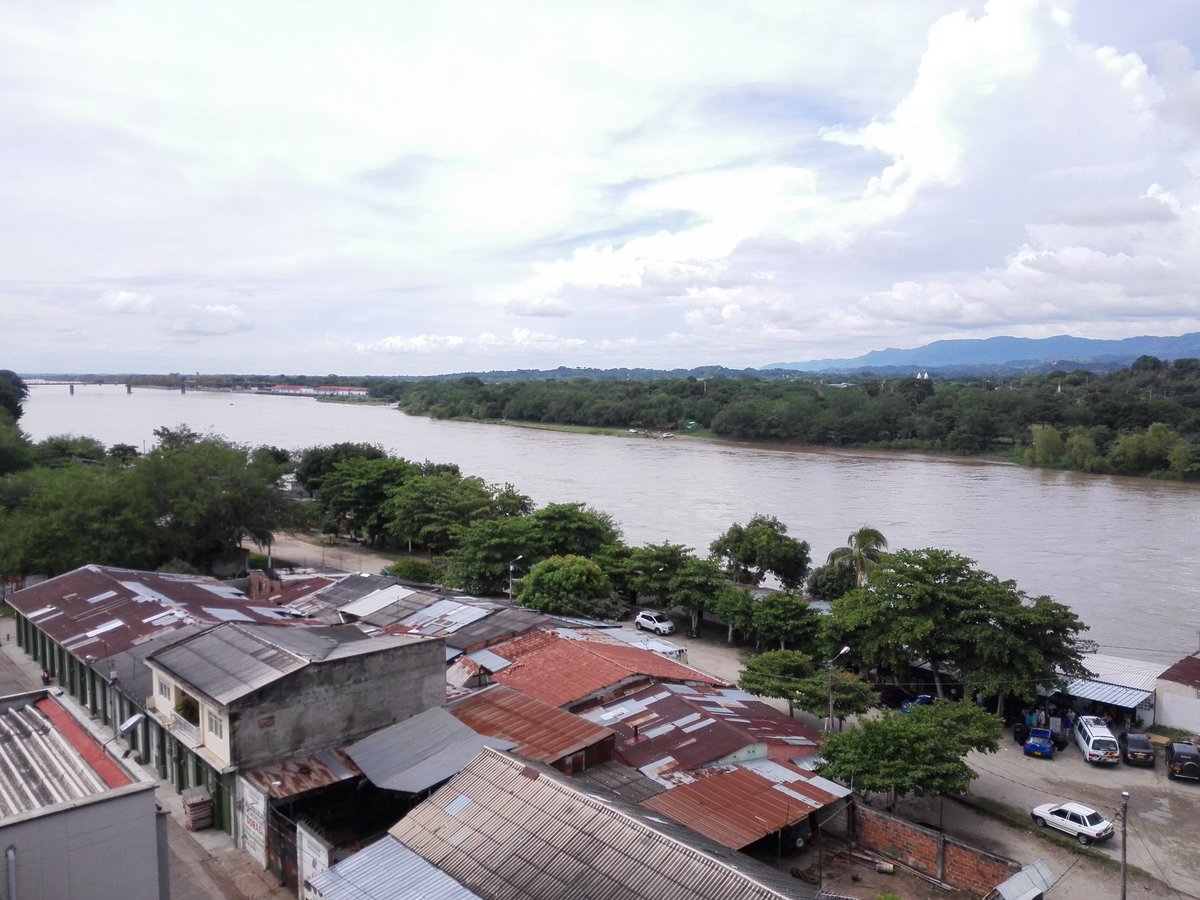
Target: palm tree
point(860, 554)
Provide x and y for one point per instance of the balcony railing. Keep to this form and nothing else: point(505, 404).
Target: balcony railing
point(182, 728)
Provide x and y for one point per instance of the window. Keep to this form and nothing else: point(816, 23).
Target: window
point(214, 724)
point(164, 689)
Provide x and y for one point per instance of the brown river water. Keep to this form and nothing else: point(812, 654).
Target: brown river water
point(1121, 551)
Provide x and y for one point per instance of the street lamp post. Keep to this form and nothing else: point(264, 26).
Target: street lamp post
point(511, 568)
point(829, 666)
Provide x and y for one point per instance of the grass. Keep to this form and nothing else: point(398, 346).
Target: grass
point(1171, 734)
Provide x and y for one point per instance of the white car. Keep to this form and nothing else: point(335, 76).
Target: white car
point(1081, 822)
point(654, 621)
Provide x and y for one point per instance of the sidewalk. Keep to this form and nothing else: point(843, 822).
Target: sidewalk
point(204, 865)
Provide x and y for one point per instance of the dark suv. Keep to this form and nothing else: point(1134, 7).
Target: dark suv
point(1183, 760)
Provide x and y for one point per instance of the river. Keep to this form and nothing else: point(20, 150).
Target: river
point(1120, 551)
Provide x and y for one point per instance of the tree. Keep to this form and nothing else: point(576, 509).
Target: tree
point(355, 492)
point(569, 586)
point(828, 582)
point(68, 449)
point(759, 548)
point(675, 577)
point(176, 438)
point(317, 462)
point(919, 752)
point(735, 606)
point(785, 618)
point(574, 529)
point(776, 673)
point(426, 510)
point(482, 552)
point(415, 570)
point(861, 553)
point(852, 696)
point(13, 392)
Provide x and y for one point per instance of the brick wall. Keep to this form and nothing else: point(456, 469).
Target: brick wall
point(966, 868)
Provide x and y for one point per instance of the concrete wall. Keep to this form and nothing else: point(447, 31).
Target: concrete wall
point(334, 703)
point(97, 848)
point(965, 868)
point(1178, 706)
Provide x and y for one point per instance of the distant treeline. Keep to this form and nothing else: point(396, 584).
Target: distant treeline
point(1144, 420)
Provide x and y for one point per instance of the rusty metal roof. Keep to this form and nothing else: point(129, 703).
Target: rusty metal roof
point(99, 611)
point(736, 805)
point(513, 830)
point(1186, 671)
point(299, 776)
point(670, 727)
point(541, 732)
point(564, 672)
point(502, 624)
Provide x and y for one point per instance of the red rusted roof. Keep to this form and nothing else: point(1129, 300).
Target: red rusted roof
point(83, 743)
point(665, 728)
point(737, 805)
point(542, 732)
point(561, 671)
point(1186, 671)
point(298, 776)
point(100, 611)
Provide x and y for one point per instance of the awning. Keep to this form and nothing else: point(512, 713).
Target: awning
point(1111, 694)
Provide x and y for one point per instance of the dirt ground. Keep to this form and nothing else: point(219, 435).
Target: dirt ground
point(1164, 815)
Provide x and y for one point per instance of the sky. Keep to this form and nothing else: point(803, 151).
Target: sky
point(410, 189)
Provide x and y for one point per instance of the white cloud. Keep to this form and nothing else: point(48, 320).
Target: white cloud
point(667, 185)
point(127, 302)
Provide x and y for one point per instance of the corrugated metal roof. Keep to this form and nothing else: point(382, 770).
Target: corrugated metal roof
point(46, 758)
point(1112, 694)
point(102, 610)
point(540, 731)
point(625, 781)
point(376, 601)
point(442, 617)
point(232, 660)
point(563, 672)
point(387, 870)
point(414, 755)
point(299, 776)
point(1119, 670)
point(737, 805)
point(1186, 671)
point(510, 830)
point(500, 625)
point(669, 727)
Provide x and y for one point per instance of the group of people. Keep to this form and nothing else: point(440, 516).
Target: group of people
point(1040, 717)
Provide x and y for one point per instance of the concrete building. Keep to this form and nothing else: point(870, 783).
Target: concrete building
point(75, 822)
point(1178, 693)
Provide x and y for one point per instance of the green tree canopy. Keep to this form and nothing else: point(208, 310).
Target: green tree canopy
point(920, 752)
point(353, 494)
point(317, 462)
point(13, 392)
point(570, 586)
point(776, 673)
point(784, 618)
point(574, 529)
point(482, 552)
point(861, 553)
point(750, 552)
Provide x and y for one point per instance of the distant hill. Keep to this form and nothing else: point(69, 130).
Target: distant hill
point(1010, 353)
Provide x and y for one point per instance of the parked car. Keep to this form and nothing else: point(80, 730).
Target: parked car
point(1183, 760)
point(922, 700)
point(1081, 822)
point(1136, 749)
point(1040, 743)
point(657, 622)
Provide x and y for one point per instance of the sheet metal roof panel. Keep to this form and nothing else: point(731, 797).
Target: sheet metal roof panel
point(539, 731)
point(1119, 670)
point(559, 843)
point(377, 601)
point(299, 776)
point(1112, 694)
point(1186, 671)
point(387, 870)
point(227, 662)
point(501, 624)
point(141, 603)
point(419, 752)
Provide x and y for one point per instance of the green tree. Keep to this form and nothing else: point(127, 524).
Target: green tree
point(784, 618)
point(1081, 452)
point(68, 449)
point(353, 494)
point(176, 438)
point(13, 392)
point(317, 462)
point(482, 552)
point(830, 581)
point(569, 586)
point(417, 571)
point(670, 573)
point(920, 752)
point(427, 510)
point(574, 529)
point(776, 673)
point(852, 696)
point(735, 606)
point(861, 553)
point(750, 552)
point(1048, 447)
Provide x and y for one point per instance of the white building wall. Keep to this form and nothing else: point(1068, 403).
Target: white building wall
point(1178, 706)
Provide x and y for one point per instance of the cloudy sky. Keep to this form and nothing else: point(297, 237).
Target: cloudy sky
point(403, 188)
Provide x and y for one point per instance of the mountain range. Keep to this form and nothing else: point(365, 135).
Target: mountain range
point(988, 354)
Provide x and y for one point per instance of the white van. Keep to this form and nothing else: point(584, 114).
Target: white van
point(1096, 741)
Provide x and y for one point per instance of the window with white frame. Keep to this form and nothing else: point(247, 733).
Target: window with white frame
point(164, 689)
point(214, 724)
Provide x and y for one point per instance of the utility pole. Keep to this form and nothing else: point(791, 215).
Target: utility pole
point(1124, 832)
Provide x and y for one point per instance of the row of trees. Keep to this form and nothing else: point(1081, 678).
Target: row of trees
point(1108, 417)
